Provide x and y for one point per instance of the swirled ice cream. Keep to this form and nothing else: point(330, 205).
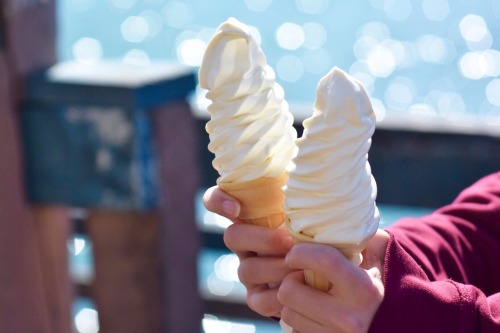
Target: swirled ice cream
point(251, 129)
point(330, 194)
point(251, 132)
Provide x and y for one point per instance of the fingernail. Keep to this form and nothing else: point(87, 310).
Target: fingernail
point(231, 208)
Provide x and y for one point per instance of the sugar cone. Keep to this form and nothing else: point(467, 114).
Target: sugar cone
point(315, 280)
point(261, 200)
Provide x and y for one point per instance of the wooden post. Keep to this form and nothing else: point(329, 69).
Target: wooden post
point(52, 231)
point(22, 306)
point(27, 30)
point(177, 145)
point(127, 288)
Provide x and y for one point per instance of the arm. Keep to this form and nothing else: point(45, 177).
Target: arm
point(441, 271)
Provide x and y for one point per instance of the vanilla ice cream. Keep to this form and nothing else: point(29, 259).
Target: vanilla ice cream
point(330, 194)
point(251, 129)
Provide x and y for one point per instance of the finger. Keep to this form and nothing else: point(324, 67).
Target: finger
point(348, 310)
point(299, 322)
point(311, 303)
point(219, 202)
point(263, 270)
point(264, 301)
point(257, 239)
point(374, 254)
point(329, 261)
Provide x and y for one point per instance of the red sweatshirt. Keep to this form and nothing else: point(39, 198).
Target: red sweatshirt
point(442, 271)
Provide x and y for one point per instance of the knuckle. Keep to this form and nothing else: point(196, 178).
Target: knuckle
point(285, 291)
point(245, 273)
point(276, 239)
point(256, 303)
point(230, 238)
point(286, 315)
point(354, 324)
point(252, 302)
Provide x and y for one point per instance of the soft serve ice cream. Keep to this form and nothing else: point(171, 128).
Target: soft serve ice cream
point(251, 129)
point(330, 194)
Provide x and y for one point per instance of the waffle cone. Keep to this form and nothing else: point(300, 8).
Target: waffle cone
point(261, 200)
point(315, 280)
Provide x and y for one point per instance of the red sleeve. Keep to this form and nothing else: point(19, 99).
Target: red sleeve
point(442, 272)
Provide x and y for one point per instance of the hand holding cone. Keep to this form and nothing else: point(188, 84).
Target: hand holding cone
point(315, 280)
point(261, 200)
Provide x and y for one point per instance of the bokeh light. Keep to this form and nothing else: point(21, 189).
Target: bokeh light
point(493, 92)
point(153, 20)
point(136, 57)
point(315, 35)
point(258, 5)
point(226, 268)
point(87, 50)
point(123, 4)
point(445, 103)
point(190, 52)
point(313, 7)
point(177, 14)
point(135, 29)
point(290, 36)
point(212, 324)
point(436, 10)
point(398, 10)
point(381, 61)
point(378, 108)
point(400, 93)
point(86, 321)
point(476, 65)
point(290, 68)
point(359, 70)
point(475, 32)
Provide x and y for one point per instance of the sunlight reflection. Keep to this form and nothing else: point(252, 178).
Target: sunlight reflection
point(86, 321)
point(87, 50)
point(212, 324)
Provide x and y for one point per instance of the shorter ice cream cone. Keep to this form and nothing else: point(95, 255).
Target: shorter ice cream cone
point(315, 280)
point(261, 200)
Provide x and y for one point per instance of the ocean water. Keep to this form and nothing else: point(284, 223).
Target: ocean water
point(433, 57)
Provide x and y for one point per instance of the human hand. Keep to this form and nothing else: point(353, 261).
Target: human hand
point(261, 252)
point(356, 293)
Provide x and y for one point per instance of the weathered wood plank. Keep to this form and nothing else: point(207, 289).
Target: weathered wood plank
point(177, 146)
point(22, 304)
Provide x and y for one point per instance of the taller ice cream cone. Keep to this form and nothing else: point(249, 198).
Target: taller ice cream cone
point(261, 200)
point(251, 129)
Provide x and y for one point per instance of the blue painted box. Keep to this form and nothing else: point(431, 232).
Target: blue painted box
point(87, 134)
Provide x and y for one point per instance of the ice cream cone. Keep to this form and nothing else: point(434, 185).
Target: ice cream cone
point(315, 280)
point(261, 200)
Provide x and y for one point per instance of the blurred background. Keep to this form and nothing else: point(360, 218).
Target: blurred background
point(103, 171)
point(432, 57)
